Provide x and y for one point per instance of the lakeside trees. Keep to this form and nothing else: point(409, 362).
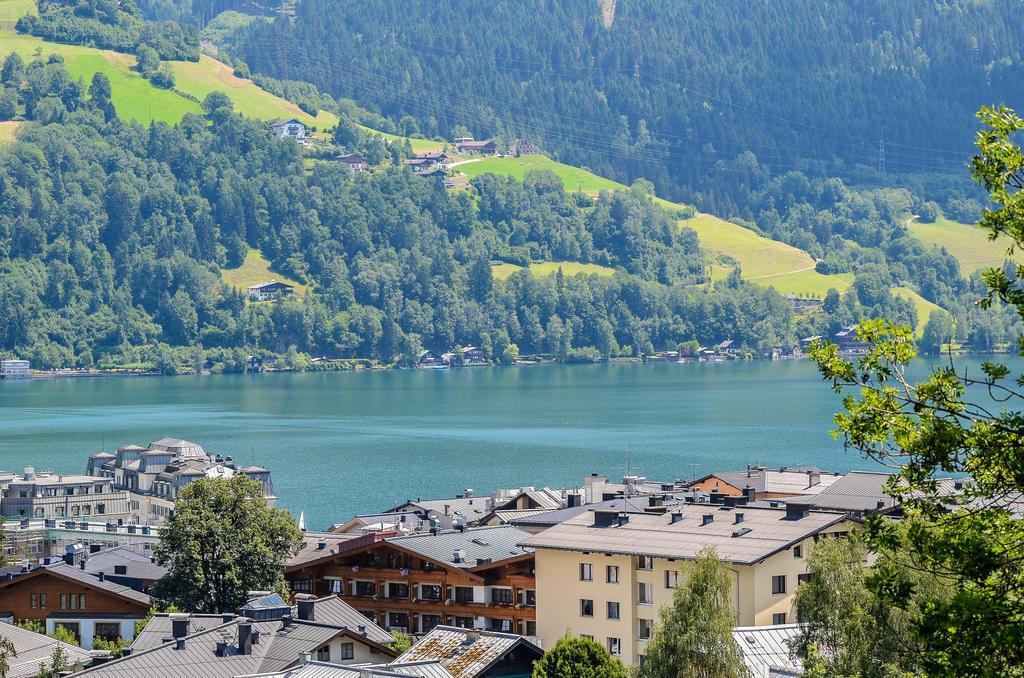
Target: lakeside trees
point(969, 535)
point(221, 542)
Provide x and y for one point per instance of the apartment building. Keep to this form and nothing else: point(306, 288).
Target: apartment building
point(605, 573)
point(475, 578)
point(50, 495)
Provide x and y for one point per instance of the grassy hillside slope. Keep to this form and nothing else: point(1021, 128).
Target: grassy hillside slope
point(924, 307)
point(969, 244)
point(256, 269)
point(503, 271)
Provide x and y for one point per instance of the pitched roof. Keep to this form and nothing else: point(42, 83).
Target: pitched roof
point(762, 533)
point(314, 669)
point(767, 647)
point(786, 480)
point(278, 648)
point(512, 515)
point(496, 543)
point(472, 508)
point(856, 492)
point(33, 648)
point(282, 123)
point(87, 579)
point(334, 611)
point(310, 547)
point(465, 653)
point(138, 566)
point(543, 498)
point(546, 518)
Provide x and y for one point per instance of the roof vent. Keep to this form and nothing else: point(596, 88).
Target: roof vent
point(179, 625)
point(245, 637)
point(321, 545)
point(255, 637)
point(605, 518)
point(362, 629)
point(483, 561)
point(459, 556)
point(222, 648)
point(120, 569)
point(707, 518)
point(740, 532)
point(797, 511)
point(623, 518)
point(179, 644)
point(676, 517)
point(880, 504)
point(739, 518)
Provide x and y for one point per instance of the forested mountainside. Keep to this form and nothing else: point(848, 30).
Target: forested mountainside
point(670, 87)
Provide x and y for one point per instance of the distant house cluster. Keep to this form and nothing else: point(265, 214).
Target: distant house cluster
point(468, 356)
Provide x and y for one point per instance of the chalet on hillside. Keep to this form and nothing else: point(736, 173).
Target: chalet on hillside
point(847, 342)
point(356, 163)
point(485, 147)
point(429, 360)
point(289, 129)
point(520, 147)
point(268, 291)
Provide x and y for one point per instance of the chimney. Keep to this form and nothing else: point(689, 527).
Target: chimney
point(797, 511)
point(739, 518)
point(574, 500)
point(717, 497)
point(458, 556)
point(81, 564)
point(469, 492)
point(102, 576)
point(227, 618)
point(245, 637)
point(321, 545)
point(362, 629)
point(750, 493)
point(880, 504)
point(730, 501)
point(447, 509)
point(306, 607)
point(222, 648)
point(707, 518)
point(623, 518)
point(304, 657)
point(286, 621)
point(605, 518)
point(676, 517)
point(255, 637)
point(69, 558)
point(958, 484)
point(179, 644)
point(179, 625)
point(813, 478)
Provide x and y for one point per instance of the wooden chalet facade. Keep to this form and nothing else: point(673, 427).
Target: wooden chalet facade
point(417, 582)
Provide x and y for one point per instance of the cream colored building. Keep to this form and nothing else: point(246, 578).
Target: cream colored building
point(606, 574)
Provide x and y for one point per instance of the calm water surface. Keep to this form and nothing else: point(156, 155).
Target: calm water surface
point(345, 442)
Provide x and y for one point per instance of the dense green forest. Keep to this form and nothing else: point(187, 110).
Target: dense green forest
point(110, 24)
point(672, 87)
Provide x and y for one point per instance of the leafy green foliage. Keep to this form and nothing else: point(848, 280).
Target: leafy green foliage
point(578, 657)
point(221, 542)
point(969, 536)
point(7, 652)
point(401, 643)
point(693, 636)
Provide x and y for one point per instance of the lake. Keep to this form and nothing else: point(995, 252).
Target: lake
point(340, 443)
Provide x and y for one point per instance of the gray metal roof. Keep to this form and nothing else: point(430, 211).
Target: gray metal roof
point(139, 566)
point(499, 542)
point(278, 649)
point(334, 611)
point(310, 549)
point(765, 648)
point(33, 648)
point(555, 517)
point(463, 652)
point(315, 669)
point(857, 491)
point(472, 508)
point(761, 533)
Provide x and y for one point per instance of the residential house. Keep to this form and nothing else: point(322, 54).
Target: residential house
point(289, 129)
point(604, 574)
point(467, 653)
point(45, 494)
point(803, 305)
point(32, 650)
point(308, 668)
point(380, 522)
point(316, 545)
point(466, 577)
point(727, 347)
point(15, 369)
point(84, 603)
point(485, 147)
point(858, 493)
point(426, 163)
point(268, 291)
point(767, 651)
point(466, 507)
point(429, 360)
point(847, 342)
point(470, 355)
point(155, 474)
point(767, 483)
point(356, 163)
point(521, 147)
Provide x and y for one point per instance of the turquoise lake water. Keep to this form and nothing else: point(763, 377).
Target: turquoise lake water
point(341, 443)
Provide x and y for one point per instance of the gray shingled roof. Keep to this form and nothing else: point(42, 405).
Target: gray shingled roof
point(470, 507)
point(465, 653)
point(767, 647)
point(33, 648)
point(309, 546)
point(499, 542)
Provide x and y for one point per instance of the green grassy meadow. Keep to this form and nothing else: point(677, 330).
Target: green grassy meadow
point(575, 179)
point(256, 269)
point(8, 128)
point(544, 268)
point(969, 244)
